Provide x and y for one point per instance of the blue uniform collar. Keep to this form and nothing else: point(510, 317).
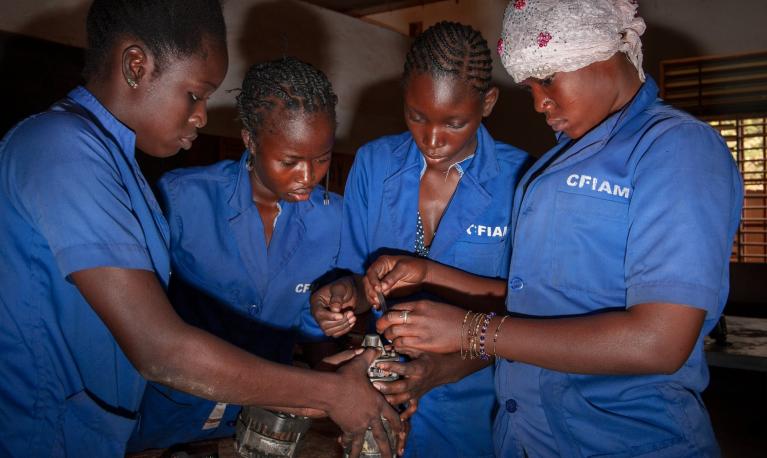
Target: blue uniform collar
point(589, 144)
point(241, 199)
point(482, 167)
point(125, 138)
point(646, 95)
point(470, 196)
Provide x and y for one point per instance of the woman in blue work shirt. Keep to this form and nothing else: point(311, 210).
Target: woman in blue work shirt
point(270, 231)
point(441, 190)
point(84, 319)
point(622, 235)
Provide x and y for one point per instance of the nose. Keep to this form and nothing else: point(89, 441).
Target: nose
point(541, 101)
point(432, 137)
point(199, 115)
point(306, 173)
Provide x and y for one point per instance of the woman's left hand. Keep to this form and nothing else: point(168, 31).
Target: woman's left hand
point(417, 377)
point(423, 325)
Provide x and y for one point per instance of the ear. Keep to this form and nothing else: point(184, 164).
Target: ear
point(134, 65)
point(489, 100)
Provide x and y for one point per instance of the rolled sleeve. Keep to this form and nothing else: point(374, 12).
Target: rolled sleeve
point(685, 205)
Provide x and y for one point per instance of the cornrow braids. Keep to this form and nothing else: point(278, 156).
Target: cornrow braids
point(168, 28)
point(451, 49)
point(286, 82)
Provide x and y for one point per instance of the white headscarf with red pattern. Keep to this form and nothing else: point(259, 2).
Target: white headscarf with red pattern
point(542, 37)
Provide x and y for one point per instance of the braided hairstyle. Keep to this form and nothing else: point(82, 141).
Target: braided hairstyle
point(168, 28)
point(451, 49)
point(288, 83)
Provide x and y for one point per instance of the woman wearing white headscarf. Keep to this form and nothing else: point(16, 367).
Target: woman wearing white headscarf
point(621, 240)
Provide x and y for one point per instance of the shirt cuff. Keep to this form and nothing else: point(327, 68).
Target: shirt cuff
point(82, 257)
point(697, 296)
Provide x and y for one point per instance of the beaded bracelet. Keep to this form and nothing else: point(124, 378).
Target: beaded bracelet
point(485, 323)
point(474, 328)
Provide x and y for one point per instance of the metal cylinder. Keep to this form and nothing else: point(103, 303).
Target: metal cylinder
point(262, 433)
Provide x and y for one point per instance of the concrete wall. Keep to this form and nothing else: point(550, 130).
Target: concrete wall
point(363, 61)
point(676, 28)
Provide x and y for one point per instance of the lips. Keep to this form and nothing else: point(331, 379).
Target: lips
point(300, 194)
point(556, 123)
point(186, 142)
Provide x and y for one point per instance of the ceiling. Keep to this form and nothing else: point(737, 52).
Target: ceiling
point(359, 8)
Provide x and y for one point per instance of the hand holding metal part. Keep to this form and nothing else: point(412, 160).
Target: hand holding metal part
point(402, 275)
point(333, 306)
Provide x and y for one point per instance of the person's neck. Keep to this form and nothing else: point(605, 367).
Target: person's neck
point(628, 87)
point(109, 98)
point(260, 194)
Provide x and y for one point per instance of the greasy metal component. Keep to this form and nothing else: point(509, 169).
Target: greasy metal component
point(374, 373)
point(369, 446)
point(262, 433)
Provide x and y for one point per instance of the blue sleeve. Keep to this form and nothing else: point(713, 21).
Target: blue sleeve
point(354, 246)
point(683, 214)
point(167, 190)
point(72, 189)
point(308, 328)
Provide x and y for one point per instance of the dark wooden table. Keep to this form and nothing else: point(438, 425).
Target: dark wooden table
point(745, 347)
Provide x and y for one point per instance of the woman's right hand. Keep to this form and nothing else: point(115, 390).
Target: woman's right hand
point(333, 306)
point(400, 274)
point(359, 407)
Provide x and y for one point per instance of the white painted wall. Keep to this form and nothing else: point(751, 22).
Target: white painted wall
point(676, 29)
point(363, 61)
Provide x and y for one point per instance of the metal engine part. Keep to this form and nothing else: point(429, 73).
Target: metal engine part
point(262, 433)
point(369, 446)
point(374, 373)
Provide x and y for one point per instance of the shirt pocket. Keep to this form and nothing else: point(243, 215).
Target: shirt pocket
point(90, 430)
point(480, 258)
point(590, 236)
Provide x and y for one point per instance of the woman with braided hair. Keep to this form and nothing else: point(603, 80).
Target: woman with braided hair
point(85, 321)
point(441, 191)
point(622, 237)
point(248, 238)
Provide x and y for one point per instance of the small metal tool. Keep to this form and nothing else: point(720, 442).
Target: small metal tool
point(382, 302)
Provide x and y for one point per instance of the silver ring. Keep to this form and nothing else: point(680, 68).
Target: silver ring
point(404, 315)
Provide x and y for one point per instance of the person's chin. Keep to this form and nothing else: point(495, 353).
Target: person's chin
point(437, 157)
point(163, 153)
point(297, 196)
point(557, 125)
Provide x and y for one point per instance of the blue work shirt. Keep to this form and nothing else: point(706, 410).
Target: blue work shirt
point(226, 281)
point(641, 209)
point(72, 198)
point(380, 216)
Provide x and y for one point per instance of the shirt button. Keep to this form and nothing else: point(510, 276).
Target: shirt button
point(516, 283)
point(253, 309)
point(511, 405)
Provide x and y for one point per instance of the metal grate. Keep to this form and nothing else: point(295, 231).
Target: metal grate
point(746, 137)
point(716, 85)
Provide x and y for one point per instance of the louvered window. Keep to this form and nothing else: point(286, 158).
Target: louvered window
point(730, 93)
